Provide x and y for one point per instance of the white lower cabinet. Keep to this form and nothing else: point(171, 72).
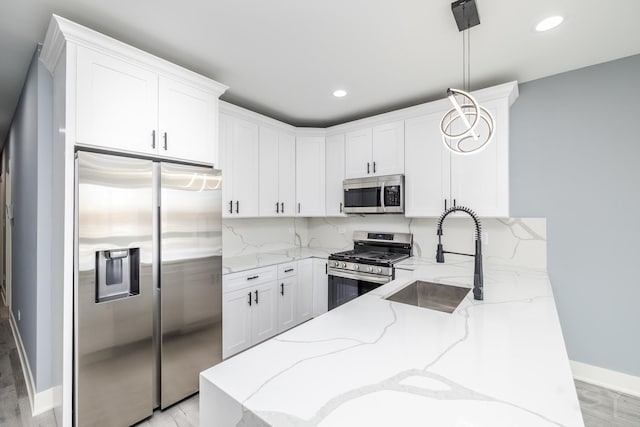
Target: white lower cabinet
point(320, 287)
point(249, 309)
point(260, 303)
point(304, 304)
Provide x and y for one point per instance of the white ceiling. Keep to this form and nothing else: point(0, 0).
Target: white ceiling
point(284, 58)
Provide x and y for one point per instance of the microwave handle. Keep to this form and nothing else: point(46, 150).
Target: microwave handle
point(382, 197)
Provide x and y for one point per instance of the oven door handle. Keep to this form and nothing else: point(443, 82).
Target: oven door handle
point(360, 276)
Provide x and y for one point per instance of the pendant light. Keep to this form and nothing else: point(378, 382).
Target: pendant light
point(467, 128)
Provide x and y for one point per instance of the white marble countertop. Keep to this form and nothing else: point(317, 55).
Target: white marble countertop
point(238, 263)
point(372, 362)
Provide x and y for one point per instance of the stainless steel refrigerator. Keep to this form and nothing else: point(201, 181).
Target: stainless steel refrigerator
point(148, 285)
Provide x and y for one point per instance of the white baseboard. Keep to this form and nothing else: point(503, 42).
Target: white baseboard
point(41, 401)
point(623, 383)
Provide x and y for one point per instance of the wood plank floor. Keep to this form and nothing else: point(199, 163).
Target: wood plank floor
point(601, 407)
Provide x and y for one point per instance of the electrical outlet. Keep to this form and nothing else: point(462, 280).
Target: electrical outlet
point(18, 315)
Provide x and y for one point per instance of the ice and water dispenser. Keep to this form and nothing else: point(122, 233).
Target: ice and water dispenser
point(117, 274)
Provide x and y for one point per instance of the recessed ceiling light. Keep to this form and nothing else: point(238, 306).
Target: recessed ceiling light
point(549, 23)
point(340, 93)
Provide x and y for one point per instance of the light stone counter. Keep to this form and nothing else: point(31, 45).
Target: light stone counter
point(372, 362)
point(238, 263)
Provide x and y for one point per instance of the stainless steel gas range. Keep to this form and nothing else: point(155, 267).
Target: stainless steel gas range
point(367, 266)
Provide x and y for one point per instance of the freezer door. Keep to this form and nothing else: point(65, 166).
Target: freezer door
point(190, 277)
point(113, 291)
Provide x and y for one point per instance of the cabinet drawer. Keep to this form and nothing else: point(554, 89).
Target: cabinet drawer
point(234, 281)
point(287, 270)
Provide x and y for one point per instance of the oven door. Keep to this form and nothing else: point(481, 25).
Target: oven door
point(345, 286)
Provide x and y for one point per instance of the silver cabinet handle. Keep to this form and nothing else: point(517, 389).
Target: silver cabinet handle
point(165, 141)
point(153, 139)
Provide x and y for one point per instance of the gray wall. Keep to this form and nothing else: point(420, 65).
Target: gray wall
point(29, 152)
point(575, 159)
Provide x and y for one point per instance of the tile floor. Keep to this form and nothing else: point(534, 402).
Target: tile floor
point(601, 407)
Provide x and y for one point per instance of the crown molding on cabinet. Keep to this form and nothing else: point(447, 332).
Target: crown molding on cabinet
point(506, 90)
point(63, 31)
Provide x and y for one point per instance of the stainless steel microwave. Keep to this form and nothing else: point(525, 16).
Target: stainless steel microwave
point(377, 194)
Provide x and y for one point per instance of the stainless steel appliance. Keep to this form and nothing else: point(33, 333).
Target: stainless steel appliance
point(148, 285)
point(366, 267)
point(378, 194)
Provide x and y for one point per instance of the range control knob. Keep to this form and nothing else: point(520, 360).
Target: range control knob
point(370, 268)
point(379, 270)
point(355, 266)
point(344, 265)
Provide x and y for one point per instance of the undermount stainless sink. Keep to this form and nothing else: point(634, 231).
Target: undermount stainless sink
point(435, 296)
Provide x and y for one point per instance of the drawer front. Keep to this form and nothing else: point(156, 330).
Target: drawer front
point(234, 281)
point(287, 270)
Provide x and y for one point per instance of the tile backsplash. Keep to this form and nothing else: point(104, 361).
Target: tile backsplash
point(511, 241)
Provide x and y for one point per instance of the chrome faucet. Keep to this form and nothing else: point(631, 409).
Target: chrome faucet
point(478, 292)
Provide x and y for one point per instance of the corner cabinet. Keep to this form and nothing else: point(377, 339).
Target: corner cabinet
point(375, 151)
point(436, 179)
point(125, 104)
point(310, 176)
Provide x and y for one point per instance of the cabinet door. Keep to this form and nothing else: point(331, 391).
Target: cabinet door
point(117, 103)
point(320, 287)
point(226, 162)
point(265, 314)
point(334, 175)
point(481, 181)
point(236, 321)
point(357, 154)
point(388, 149)
point(186, 122)
point(287, 174)
point(287, 303)
point(245, 168)
point(426, 176)
point(310, 179)
point(268, 172)
point(304, 294)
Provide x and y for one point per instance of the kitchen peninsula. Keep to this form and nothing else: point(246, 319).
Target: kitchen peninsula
point(497, 362)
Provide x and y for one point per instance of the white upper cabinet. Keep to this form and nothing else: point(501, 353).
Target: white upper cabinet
point(116, 103)
point(334, 174)
point(375, 151)
point(435, 178)
point(240, 165)
point(388, 149)
point(277, 172)
point(481, 181)
point(310, 176)
point(357, 153)
point(186, 121)
point(119, 98)
point(426, 179)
